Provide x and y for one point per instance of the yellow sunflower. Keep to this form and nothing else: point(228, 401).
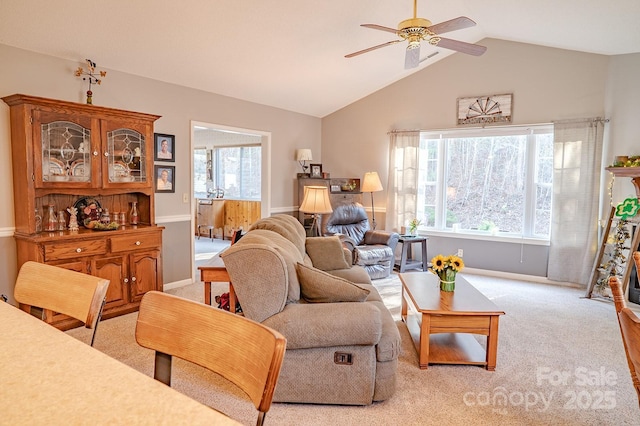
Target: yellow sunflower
point(456, 263)
point(438, 263)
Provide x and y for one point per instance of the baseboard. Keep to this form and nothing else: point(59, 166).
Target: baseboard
point(519, 277)
point(176, 284)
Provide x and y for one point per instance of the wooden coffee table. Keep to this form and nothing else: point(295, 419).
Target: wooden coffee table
point(441, 323)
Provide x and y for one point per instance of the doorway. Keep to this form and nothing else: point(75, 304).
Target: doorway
point(209, 140)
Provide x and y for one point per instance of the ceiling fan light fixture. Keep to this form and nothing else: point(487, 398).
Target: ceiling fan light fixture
point(414, 23)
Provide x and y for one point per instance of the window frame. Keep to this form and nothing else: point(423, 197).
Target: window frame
point(531, 184)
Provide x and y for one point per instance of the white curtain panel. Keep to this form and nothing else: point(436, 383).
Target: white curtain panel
point(576, 187)
point(403, 178)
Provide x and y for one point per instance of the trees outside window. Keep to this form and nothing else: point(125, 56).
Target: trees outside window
point(497, 180)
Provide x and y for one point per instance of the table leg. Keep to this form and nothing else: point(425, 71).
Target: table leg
point(492, 343)
point(406, 250)
point(425, 264)
point(207, 293)
point(403, 308)
point(425, 333)
point(232, 299)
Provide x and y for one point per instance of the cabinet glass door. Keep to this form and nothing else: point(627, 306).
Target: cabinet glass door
point(127, 156)
point(66, 148)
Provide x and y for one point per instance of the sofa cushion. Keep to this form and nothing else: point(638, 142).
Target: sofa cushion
point(317, 286)
point(326, 253)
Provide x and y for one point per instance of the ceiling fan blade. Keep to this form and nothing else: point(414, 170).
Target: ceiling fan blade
point(412, 57)
point(461, 46)
point(452, 25)
point(428, 57)
point(360, 52)
point(380, 27)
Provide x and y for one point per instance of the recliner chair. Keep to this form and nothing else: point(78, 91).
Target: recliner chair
point(373, 250)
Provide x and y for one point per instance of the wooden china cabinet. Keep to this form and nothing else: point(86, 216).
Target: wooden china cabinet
point(66, 155)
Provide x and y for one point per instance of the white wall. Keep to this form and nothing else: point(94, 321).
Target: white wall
point(39, 75)
point(547, 84)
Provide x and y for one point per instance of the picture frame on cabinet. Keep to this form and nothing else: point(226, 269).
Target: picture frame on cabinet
point(315, 171)
point(165, 178)
point(164, 147)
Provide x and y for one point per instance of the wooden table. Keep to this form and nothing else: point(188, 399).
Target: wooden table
point(48, 377)
point(214, 271)
point(406, 258)
point(442, 323)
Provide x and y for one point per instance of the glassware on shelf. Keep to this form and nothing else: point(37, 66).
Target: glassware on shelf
point(51, 222)
point(133, 216)
point(122, 219)
point(62, 222)
point(105, 218)
point(38, 221)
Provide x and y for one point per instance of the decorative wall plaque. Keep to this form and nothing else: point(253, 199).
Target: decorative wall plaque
point(485, 109)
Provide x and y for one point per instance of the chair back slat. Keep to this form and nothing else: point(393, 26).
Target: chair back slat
point(80, 296)
point(243, 351)
point(630, 330)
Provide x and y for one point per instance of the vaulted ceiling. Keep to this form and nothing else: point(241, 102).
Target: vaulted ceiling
point(290, 53)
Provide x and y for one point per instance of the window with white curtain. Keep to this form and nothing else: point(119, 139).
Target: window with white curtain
point(495, 180)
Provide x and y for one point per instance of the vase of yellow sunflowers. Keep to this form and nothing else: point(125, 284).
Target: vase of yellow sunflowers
point(446, 268)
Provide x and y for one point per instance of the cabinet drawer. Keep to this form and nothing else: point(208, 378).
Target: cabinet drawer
point(135, 242)
point(72, 250)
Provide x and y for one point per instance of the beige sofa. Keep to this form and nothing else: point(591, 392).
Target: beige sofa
point(342, 342)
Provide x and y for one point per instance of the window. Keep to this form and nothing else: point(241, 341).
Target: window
point(497, 180)
point(200, 172)
point(236, 170)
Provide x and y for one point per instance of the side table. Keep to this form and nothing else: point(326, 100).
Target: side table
point(406, 259)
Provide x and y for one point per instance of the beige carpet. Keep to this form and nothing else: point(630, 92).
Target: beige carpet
point(560, 362)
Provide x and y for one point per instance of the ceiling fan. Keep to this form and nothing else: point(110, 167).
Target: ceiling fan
point(415, 29)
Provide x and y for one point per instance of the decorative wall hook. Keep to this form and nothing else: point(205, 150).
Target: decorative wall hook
point(91, 75)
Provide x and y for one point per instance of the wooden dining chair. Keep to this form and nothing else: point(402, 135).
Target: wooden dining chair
point(245, 352)
point(630, 330)
point(41, 287)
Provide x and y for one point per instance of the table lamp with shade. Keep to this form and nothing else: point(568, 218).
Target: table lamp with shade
point(371, 183)
point(316, 202)
point(302, 156)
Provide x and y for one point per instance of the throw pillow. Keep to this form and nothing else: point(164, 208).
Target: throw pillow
point(317, 286)
point(326, 253)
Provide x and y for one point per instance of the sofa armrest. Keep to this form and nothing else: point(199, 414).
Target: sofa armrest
point(313, 325)
point(381, 237)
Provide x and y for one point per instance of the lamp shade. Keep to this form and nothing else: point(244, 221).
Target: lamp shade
point(303, 155)
point(371, 182)
point(316, 200)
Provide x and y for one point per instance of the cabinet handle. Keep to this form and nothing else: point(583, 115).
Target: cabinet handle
point(78, 250)
point(133, 279)
point(95, 153)
point(138, 243)
point(106, 154)
point(126, 280)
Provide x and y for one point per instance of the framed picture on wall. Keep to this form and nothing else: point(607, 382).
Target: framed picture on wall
point(165, 178)
point(316, 171)
point(164, 147)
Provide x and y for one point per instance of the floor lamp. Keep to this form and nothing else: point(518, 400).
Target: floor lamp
point(371, 183)
point(316, 202)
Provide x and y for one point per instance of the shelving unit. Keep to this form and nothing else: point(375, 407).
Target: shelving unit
point(625, 246)
point(614, 247)
point(64, 151)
